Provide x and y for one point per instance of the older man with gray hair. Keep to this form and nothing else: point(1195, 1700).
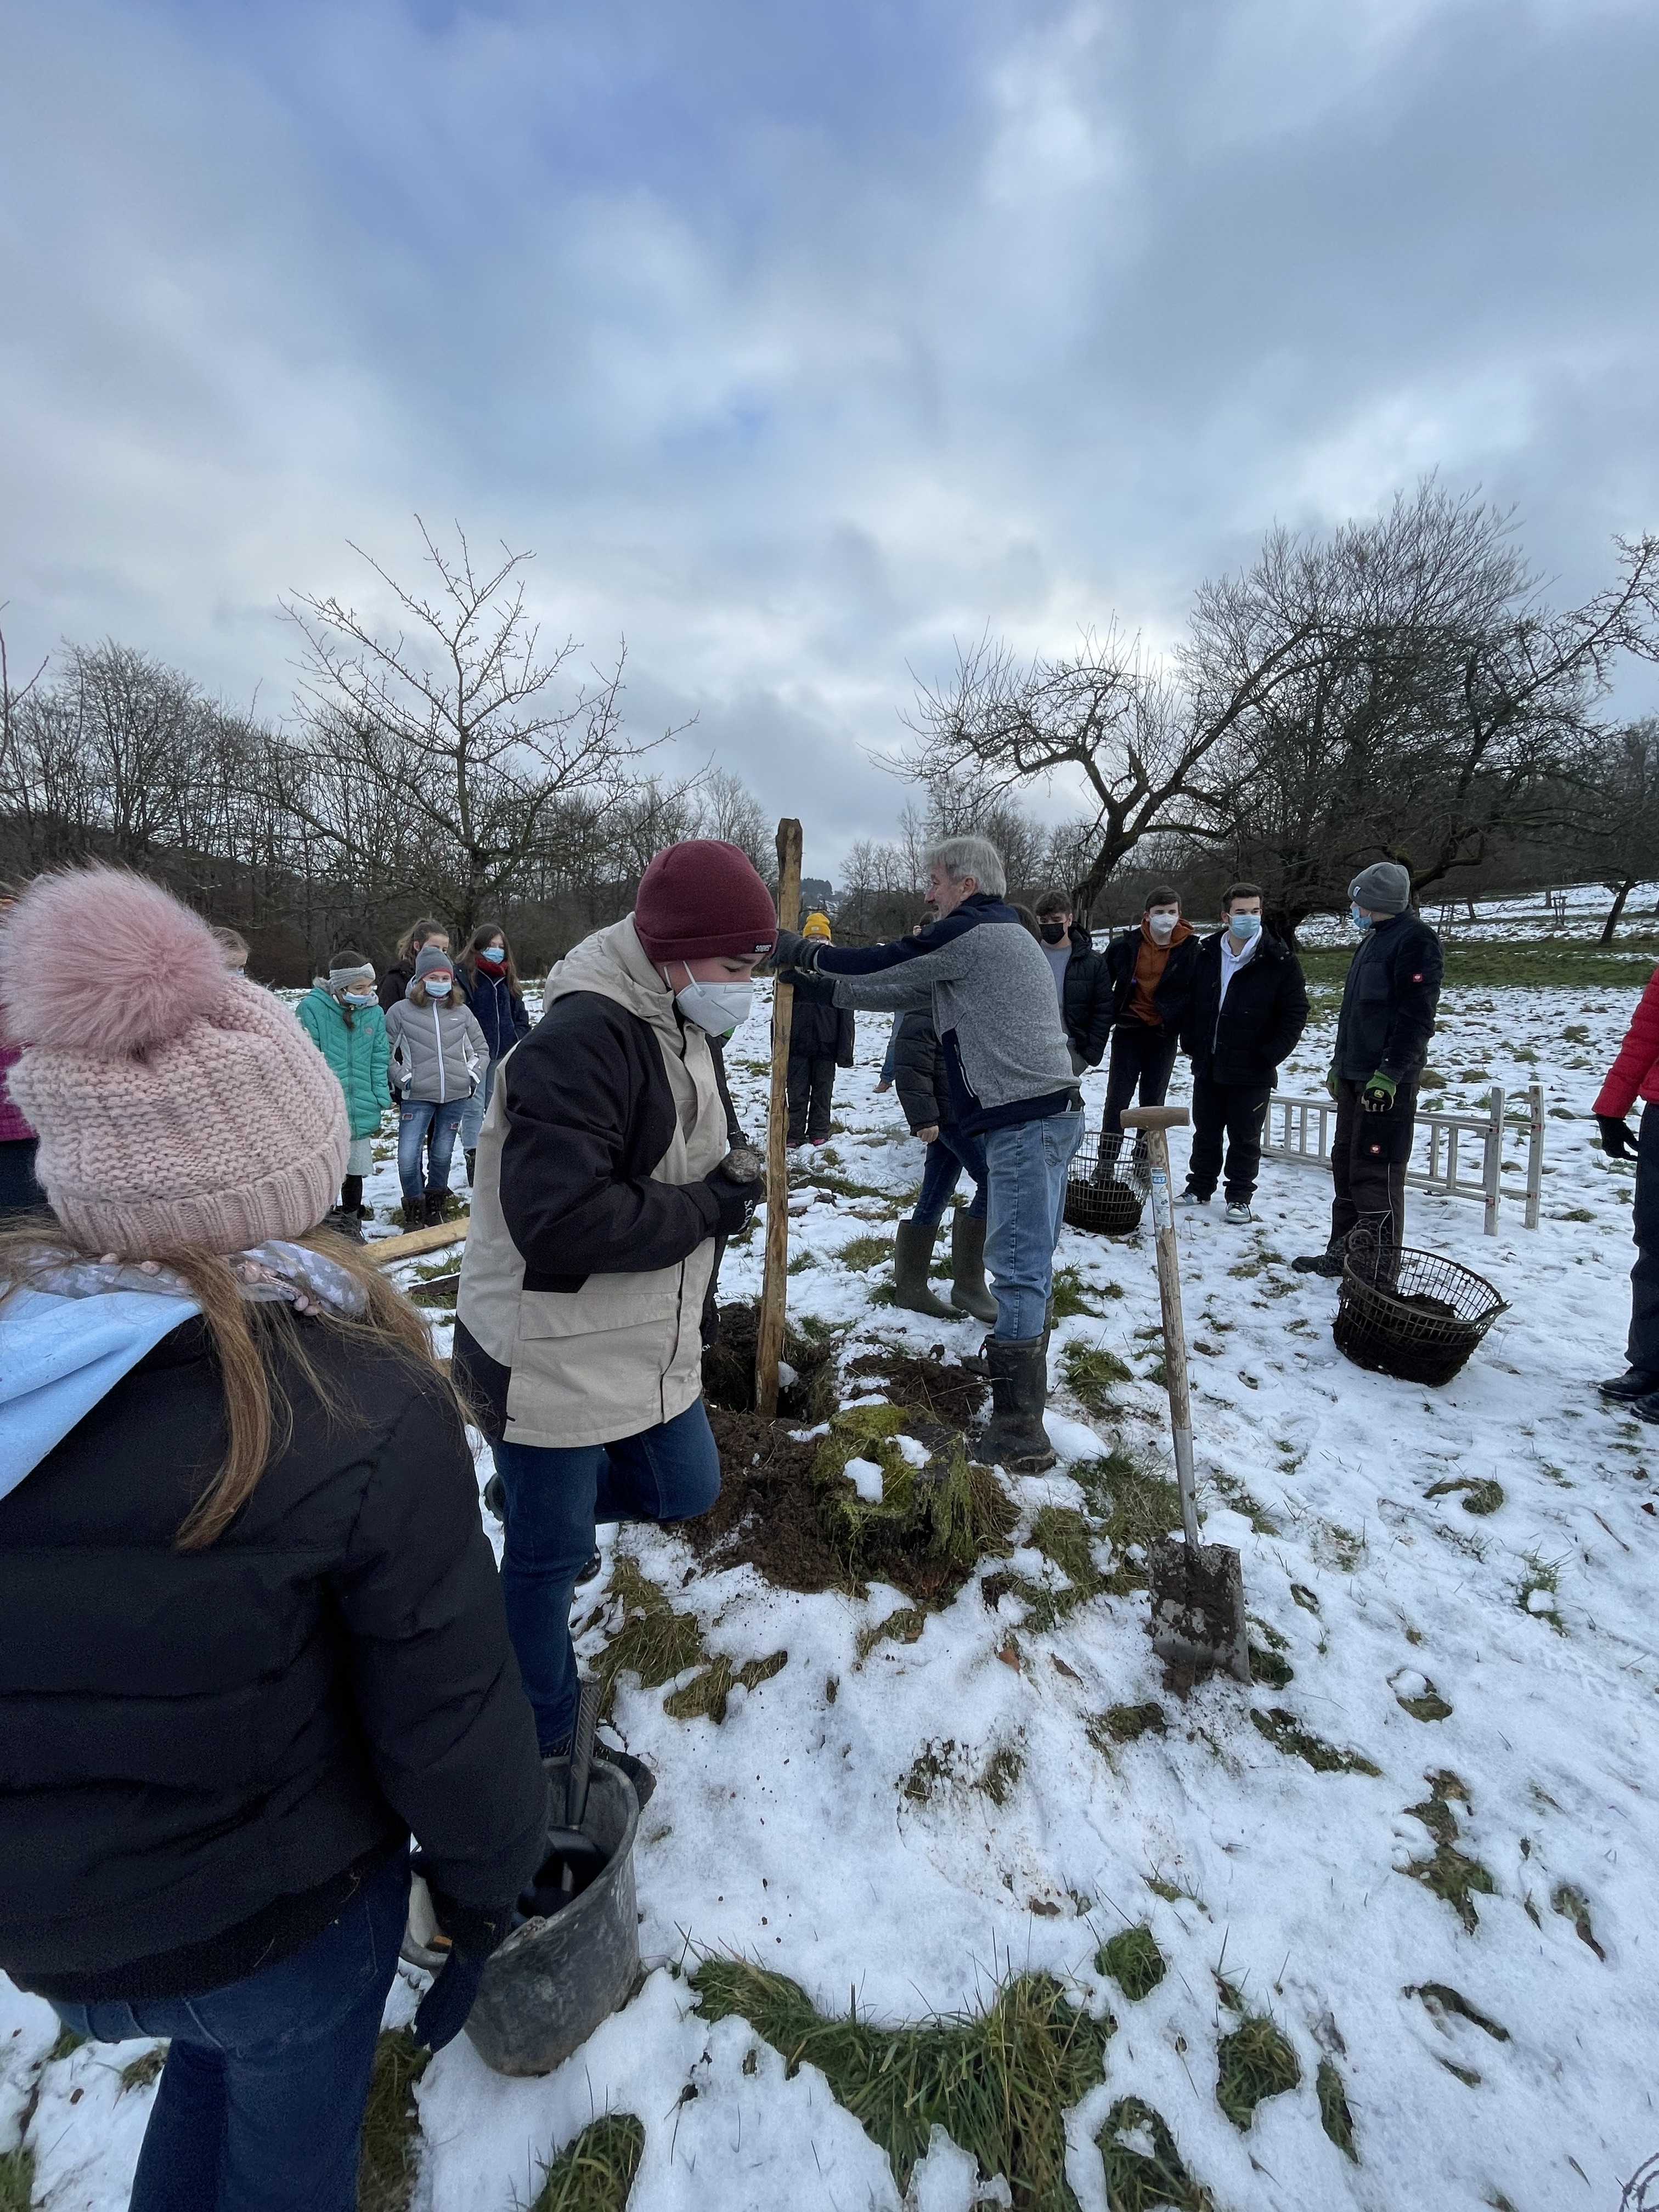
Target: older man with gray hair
point(1003, 1058)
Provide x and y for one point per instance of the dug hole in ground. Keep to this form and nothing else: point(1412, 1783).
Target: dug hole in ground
point(943, 1882)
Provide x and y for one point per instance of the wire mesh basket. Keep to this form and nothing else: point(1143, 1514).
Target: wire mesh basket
point(1100, 1202)
point(1411, 1314)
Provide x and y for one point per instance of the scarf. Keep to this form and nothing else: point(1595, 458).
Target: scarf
point(274, 1270)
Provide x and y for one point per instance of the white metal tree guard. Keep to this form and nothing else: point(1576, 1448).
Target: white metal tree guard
point(1300, 1130)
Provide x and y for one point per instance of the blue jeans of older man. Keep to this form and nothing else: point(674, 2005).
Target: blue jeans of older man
point(1027, 1163)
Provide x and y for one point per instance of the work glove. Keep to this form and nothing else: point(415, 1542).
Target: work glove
point(1331, 1083)
point(475, 1933)
point(734, 1201)
point(794, 950)
point(1377, 1098)
point(1617, 1141)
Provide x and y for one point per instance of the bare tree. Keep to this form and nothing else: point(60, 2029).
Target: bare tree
point(727, 808)
point(1613, 814)
point(441, 761)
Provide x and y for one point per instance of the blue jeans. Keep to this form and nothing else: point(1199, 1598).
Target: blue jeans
point(554, 1499)
point(1028, 1164)
point(948, 1154)
point(477, 1107)
point(415, 1118)
point(260, 2103)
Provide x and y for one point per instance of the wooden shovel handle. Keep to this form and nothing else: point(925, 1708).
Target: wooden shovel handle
point(1155, 1117)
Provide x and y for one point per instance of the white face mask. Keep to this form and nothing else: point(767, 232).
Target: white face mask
point(719, 1008)
point(1161, 921)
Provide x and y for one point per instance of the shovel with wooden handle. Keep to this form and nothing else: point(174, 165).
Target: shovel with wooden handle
point(1197, 1589)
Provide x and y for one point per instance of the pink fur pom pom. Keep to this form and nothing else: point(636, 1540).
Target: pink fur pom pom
point(101, 961)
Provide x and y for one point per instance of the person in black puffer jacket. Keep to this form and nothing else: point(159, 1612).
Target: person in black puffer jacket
point(1081, 979)
point(254, 1634)
point(487, 975)
point(821, 1039)
point(1248, 1010)
point(1388, 1001)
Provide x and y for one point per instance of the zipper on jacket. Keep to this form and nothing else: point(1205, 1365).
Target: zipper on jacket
point(437, 1031)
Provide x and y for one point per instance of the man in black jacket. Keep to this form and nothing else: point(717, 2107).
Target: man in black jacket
point(821, 1039)
point(1382, 1034)
point(1248, 1008)
point(1084, 988)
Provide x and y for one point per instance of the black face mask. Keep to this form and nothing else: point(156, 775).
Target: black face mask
point(1053, 932)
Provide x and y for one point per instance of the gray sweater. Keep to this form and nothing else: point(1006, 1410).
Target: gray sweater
point(991, 992)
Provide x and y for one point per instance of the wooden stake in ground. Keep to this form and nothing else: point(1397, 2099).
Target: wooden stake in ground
point(1197, 1589)
point(768, 1340)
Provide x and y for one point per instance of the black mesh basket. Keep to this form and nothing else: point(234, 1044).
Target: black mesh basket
point(1411, 1314)
point(1099, 1201)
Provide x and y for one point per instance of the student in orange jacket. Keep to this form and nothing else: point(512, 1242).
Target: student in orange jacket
point(1635, 1074)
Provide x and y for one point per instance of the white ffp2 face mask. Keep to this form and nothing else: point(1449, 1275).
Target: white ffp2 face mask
point(719, 1008)
point(1161, 922)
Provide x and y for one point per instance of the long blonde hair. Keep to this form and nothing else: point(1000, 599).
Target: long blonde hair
point(249, 1339)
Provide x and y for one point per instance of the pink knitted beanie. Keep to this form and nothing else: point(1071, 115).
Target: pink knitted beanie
point(177, 1104)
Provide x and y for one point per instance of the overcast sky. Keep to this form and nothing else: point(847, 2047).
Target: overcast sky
point(798, 341)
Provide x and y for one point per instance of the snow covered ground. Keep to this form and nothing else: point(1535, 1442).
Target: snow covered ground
point(787, 1833)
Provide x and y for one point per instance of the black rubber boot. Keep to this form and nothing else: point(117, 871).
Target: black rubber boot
point(1015, 1438)
point(970, 1291)
point(1328, 1262)
point(913, 1250)
point(1634, 1383)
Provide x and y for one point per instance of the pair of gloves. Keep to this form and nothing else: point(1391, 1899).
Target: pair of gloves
point(1378, 1097)
point(1617, 1139)
point(475, 1934)
point(736, 1185)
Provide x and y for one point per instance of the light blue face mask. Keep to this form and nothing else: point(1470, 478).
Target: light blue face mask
point(358, 998)
point(436, 990)
point(494, 954)
point(1245, 926)
point(1360, 921)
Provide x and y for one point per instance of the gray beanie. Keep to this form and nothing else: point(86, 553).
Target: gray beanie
point(428, 960)
point(1383, 888)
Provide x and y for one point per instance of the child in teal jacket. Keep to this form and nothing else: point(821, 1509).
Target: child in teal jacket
point(343, 1019)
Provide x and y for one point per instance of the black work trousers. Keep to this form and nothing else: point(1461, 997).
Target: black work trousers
point(1232, 1110)
point(812, 1086)
point(1369, 1158)
point(1141, 1058)
point(1643, 1350)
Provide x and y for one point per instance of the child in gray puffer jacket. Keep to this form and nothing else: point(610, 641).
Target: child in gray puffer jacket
point(437, 1051)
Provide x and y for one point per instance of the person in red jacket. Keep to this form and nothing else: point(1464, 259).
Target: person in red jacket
point(1635, 1074)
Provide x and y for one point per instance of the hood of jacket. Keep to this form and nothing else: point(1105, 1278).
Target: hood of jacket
point(614, 962)
point(60, 1355)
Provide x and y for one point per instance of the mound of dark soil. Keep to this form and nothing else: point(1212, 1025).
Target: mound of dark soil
point(768, 1509)
point(728, 1368)
point(928, 1384)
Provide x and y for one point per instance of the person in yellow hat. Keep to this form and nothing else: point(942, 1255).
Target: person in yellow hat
point(820, 1040)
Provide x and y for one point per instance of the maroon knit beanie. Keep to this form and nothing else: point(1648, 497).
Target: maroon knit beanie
point(702, 897)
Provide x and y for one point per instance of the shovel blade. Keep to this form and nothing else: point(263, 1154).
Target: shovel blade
point(1198, 1607)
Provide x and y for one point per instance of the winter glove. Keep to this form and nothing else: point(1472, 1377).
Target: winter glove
point(734, 1201)
point(1332, 1084)
point(1617, 1141)
point(1377, 1098)
point(475, 1933)
point(794, 951)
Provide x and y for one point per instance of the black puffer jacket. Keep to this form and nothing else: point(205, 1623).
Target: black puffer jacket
point(917, 1075)
point(200, 1746)
point(1086, 999)
point(1388, 1001)
point(1174, 985)
point(1243, 1038)
point(819, 1028)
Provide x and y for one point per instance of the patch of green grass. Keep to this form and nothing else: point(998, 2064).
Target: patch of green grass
point(595, 2172)
point(1441, 1997)
point(1427, 1706)
point(704, 1697)
point(1253, 2063)
point(1063, 1535)
point(1573, 1904)
point(1542, 1576)
point(998, 1777)
point(1450, 1875)
point(1304, 1597)
point(1480, 1494)
point(999, 2080)
point(1134, 1960)
point(67, 2045)
point(1270, 1667)
point(801, 1262)
point(1286, 1733)
point(1125, 1724)
point(1090, 1371)
point(863, 1253)
point(951, 1508)
point(1153, 2179)
point(1133, 1506)
point(903, 1626)
point(390, 2152)
point(1575, 964)
point(17, 2179)
point(654, 1642)
point(1071, 1295)
point(138, 2073)
point(1333, 2114)
point(1232, 1492)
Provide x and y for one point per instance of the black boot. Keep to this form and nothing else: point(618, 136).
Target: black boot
point(1015, 1438)
point(913, 1250)
point(1328, 1262)
point(969, 1289)
point(471, 1162)
point(1634, 1383)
